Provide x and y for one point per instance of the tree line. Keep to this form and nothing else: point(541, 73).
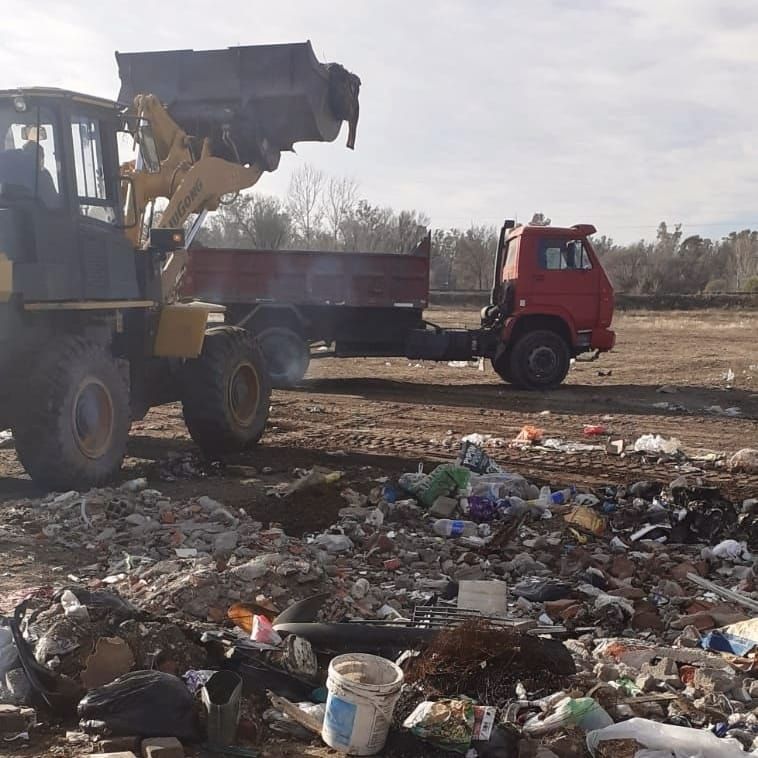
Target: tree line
point(320, 212)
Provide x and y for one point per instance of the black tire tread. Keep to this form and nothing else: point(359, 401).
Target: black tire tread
point(518, 359)
point(42, 446)
point(205, 391)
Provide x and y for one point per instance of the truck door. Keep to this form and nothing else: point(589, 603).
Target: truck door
point(106, 256)
point(565, 277)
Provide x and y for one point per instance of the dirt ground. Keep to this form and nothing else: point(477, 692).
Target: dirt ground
point(385, 416)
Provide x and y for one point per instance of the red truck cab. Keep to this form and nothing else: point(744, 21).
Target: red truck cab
point(551, 301)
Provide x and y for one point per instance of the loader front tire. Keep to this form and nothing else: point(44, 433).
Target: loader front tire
point(72, 428)
point(226, 393)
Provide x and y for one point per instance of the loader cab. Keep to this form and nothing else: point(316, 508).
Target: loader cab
point(61, 224)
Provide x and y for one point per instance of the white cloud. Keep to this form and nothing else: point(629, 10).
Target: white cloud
point(618, 112)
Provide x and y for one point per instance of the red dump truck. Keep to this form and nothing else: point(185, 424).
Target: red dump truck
point(550, 301)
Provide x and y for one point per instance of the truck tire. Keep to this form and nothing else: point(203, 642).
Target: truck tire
point(226, 393)
point(287, 355)
point(74, 424)
point(539, 360)
point(501, 365)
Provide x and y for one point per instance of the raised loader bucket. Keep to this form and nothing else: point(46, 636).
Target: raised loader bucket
point(252, 102)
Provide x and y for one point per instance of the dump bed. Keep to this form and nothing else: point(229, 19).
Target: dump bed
point(303, 277)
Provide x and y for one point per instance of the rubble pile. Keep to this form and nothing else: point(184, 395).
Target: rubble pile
point(526, 620)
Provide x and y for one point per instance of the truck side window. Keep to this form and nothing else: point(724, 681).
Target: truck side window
point(563, 255)
point(511, 254)
point(88, 163)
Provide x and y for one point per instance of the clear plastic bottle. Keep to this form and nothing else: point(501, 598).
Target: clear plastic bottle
point(446, 527)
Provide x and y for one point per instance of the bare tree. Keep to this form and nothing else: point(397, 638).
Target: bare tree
point(475, 256)
point(249, 220)
point(742, 248)
point(304, 201)
point(340, 198)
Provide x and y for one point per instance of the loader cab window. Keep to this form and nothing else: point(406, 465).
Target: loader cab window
point(90, 176)
point(563, 255)
point(29, 159)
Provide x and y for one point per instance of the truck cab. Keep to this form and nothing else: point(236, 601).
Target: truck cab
point(551, 301)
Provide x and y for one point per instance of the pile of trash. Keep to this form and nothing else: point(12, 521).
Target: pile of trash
point(459, 611)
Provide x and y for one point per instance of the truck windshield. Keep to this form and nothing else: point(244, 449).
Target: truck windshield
point(29, 163)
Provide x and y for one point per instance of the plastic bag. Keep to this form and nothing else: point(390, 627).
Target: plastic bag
point(583, 712)
point(654, 443)
point(528, 435)
point(593, 430)
point(501, 486)
point(142, 703)
point(744, 460)
point(443, 480)
point(679, 741)
point(472, 457)
point(586, 519)
point(447, 724)
point(263, 631)
point(731, 550)
point(8, 654)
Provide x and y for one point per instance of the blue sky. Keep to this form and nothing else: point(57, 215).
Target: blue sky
point(616, 112)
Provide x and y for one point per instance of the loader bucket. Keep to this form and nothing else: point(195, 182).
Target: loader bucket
point(251, 102)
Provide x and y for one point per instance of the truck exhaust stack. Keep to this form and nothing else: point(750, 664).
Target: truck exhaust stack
point(251, 102)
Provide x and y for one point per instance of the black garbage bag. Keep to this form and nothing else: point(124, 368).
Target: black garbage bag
point(49, 689)
point(142, 703)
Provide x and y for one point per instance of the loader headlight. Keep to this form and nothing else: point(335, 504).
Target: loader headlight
point(19, 104)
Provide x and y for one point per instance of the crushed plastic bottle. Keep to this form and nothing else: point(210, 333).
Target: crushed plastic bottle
point(446, 527)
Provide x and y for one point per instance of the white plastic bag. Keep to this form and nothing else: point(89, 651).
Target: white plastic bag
point(654, 443)
point(263, 631)
point(731, 550)
point(679, 741)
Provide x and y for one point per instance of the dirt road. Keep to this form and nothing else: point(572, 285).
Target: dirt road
point(393, 413)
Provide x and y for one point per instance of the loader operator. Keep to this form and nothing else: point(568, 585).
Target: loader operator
point(46, 191)
point(24, 168)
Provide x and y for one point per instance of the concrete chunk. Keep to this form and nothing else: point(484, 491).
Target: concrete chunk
point(162, 747)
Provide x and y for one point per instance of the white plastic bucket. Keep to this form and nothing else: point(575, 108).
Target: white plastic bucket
point(363, 690)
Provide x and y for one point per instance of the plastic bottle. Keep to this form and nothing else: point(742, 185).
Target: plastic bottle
point(561, 496)
point(446, 527)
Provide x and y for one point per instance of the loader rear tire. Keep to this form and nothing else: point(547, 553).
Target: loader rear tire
point(74, 423)
point(226, 393)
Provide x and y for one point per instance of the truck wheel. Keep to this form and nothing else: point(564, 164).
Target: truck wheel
point(226, 393)
point(287, 355)
point(75, 421)
point(501, 365)
point(539, 360)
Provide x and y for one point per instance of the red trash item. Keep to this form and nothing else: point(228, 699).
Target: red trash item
point(593, 430)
